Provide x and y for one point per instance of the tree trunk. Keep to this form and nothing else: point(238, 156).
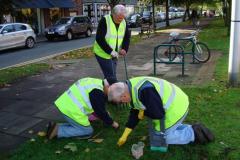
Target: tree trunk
point(224, 8)
point(201, 9)
point(186, 14)
point(153, 16)
point(229, 11)
point(167, 13)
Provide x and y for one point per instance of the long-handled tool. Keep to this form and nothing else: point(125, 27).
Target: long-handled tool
point(126, 73)
point(125, 64)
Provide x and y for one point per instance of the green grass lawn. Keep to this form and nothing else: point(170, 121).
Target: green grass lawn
point(11, 75)
point(215, 105)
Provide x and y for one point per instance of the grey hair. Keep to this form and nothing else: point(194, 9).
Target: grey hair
point(119, 9)
point(116, 90)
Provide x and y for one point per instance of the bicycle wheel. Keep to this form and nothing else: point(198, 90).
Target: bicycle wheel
point(167, 53)
point(202, 52)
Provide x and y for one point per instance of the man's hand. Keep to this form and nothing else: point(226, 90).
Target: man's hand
point(115, 125)
point(122, 52)
point(114, 54)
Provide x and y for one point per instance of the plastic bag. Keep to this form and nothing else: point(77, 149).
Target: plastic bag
point(137, 150)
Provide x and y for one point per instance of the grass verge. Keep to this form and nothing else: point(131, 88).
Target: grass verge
point(76, 54)
point(12, 74)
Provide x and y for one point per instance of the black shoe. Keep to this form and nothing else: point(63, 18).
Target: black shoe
point(51, 130)
point(207, 133)
point(199, 136)
point(49, 125)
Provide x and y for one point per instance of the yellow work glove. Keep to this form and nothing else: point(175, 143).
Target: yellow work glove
point(124, 137)
point(141, 114)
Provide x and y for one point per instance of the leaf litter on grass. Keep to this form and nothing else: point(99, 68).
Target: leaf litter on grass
point(71, 147)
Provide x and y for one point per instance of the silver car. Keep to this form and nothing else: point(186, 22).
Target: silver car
point(16, 35)
point(68, 27)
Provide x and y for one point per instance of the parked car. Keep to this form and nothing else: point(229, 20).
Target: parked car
point(16, 35)
point(134, 20)
point(172, 15)
point(157, 17)
point(179, 14)
point(147, 17)
point(68, 27)
point(162, 16)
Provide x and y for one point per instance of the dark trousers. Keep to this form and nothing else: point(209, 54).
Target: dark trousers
point(108, 67)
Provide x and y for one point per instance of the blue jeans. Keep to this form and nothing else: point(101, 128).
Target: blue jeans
point(73, 129)
point(180, 133)
point(108, 67)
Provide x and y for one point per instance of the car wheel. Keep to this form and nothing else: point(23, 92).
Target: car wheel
point(88, 33)
point(30, 42)
point(69, 35)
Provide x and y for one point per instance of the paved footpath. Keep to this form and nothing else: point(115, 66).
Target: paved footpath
point(28, 104)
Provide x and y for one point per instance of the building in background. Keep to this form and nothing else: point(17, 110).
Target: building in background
point(78, 8)
point(41, 13)
point(95, 9)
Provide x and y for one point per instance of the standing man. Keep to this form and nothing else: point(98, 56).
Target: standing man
point(85, 98)
point(112, 40)
point(158, 99)
point(194, 17)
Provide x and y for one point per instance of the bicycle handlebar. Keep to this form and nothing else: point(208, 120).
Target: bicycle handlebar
point(192, 35)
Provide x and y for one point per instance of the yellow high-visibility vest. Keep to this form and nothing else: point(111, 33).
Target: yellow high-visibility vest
point(75, 102)
point(175, 101)
point(113, 37)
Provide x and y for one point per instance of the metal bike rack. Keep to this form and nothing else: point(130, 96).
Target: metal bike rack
point(193, 47)
point(168, 61)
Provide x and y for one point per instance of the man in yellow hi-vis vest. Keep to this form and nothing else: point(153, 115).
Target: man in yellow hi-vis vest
point(112, 40)
point(157, 99)
point(81, 100)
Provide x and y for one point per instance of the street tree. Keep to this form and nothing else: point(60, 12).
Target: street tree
point(187, 4)
point(226, 12)
point(167, 13)
point(155, 2)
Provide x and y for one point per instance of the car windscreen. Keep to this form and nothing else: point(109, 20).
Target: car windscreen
point(1, 27)
point(146, 13)
point(63, 21)
point(134, 17)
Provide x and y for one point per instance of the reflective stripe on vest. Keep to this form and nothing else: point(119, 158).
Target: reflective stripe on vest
point(161, 91)
point(82, 90)
point(76, 102)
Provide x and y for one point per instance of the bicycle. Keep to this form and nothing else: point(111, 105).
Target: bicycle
point(199, 50)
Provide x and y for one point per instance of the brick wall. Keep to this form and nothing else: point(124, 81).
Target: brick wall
point(46, 14)
point(78, 8)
